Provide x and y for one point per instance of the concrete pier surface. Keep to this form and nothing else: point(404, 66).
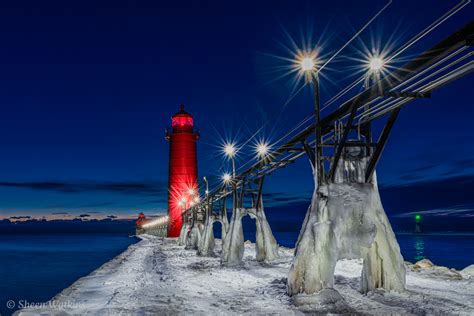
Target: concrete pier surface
point(158, 277)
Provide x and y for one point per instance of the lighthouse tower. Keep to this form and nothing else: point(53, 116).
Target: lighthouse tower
point(182, 178)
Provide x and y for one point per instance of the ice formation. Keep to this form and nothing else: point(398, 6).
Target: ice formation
point(346, 220)
point(225, 223)
point(206, 243)
point(233, 247)
point(183, 235)
point(194, 236)
point(266, 245)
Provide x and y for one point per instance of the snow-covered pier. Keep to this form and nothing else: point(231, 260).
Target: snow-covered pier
point(157, 276)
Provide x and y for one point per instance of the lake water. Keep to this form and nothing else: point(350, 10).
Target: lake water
point(34, 268)
point(453, 250)
point(37, 267)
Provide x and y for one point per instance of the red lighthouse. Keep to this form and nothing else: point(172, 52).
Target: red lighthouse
point(182, 178)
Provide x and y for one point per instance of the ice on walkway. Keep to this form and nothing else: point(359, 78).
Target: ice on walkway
point(157, 276)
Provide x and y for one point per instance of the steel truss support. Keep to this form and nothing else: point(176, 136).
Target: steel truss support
point(381, 144)
point(342, 142)
point(310, 152)
point(396, 94)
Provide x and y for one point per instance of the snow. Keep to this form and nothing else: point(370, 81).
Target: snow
point(156, 276)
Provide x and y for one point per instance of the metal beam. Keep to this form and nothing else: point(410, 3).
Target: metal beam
point(260, 193)
point(398, 94)
point(310, 152)
point(342, 142)
point(381, 144)
point(462, 37)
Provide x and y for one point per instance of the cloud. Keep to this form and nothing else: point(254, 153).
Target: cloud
point(20, 217)
point(84, 215)
point(98, 204)
point(112, 216)
point(280, 198)
point(433, 167)
point(461, 212)
point(427, 167)
point(131, 188)
point(158, 201)
point(436, 197)
point(465, 163)
point(59, 213)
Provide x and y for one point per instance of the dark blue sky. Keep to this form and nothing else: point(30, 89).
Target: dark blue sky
point(87, 88)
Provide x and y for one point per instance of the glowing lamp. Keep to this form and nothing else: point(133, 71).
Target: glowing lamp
point(375, 63)
point(226, 178)
point(191, 191)
point(229, 150)
point(417, 218)
point(262, 149)
point(196, 199)
point(307, 63)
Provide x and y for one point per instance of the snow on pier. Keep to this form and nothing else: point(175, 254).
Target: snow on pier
point(157, 276)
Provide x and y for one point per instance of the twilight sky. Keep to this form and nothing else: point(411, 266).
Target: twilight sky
point(87, 89)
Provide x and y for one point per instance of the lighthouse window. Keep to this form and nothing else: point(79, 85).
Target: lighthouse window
point(182, 121)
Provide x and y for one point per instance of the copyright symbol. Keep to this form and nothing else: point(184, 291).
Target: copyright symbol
point(11, 304)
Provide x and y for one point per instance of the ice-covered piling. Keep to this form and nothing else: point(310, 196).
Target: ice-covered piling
point(266, 245)
point(206, 243)
point(233, 247)
point(225, 223)
point(346, 220)
point(194, 236)
point(183, 235)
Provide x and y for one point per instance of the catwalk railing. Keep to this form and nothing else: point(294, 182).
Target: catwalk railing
point(349, 124)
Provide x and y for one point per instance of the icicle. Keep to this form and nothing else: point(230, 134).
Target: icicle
point(233, 246)
point(266, 245)
point(183, 235)
point(194, 236)
point(206, 243)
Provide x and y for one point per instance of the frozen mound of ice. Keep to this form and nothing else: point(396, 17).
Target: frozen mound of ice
point(325, 301)
point(426, 267)
point(468, 272)
point(424, 263)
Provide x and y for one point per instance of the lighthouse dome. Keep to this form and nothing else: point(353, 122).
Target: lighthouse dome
point(182, 119)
